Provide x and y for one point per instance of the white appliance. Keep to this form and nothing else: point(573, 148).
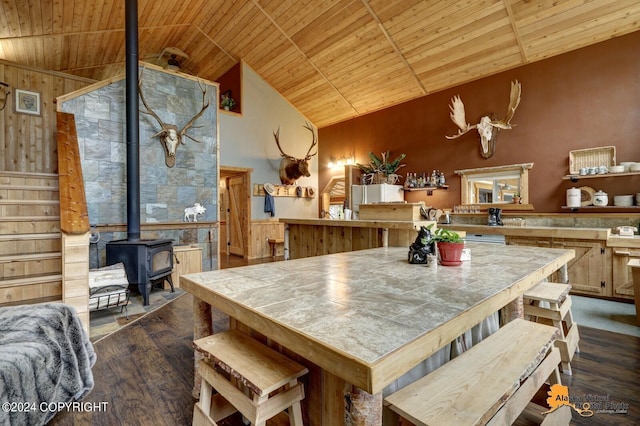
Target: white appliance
point(378, 193)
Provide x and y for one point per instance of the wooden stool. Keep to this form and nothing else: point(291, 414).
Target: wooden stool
point(233, 356)
point(558, 313)
point(273, 245)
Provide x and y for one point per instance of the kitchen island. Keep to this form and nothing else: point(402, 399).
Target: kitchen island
point(359, 320)
point(316, 237)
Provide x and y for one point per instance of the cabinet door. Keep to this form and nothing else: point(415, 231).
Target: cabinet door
point(622, 279)
point(590, 270)
point(188, 260)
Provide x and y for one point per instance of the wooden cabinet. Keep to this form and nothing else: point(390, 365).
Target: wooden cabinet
point(590, 270)
point(188, 260)
point(622, 279)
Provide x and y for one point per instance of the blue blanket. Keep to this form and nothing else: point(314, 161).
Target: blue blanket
point(45, 358)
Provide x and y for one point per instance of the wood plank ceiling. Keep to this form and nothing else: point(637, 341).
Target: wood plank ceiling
point(332, 59)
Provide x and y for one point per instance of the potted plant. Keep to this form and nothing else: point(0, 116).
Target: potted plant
point(228, 103)
point(381, 169)
point(450, 245)
point(517, 198)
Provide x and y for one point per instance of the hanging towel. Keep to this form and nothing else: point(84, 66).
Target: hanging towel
point(269, 204)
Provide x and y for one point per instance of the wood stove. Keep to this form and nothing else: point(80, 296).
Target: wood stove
point(147, 262)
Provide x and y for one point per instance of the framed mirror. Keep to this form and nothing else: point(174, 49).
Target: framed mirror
point(506, 186)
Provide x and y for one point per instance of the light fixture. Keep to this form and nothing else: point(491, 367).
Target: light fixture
point(173, 64)
point(341, 162)
point(5, 89)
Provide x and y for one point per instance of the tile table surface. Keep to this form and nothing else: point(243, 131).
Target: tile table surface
point(368, 305)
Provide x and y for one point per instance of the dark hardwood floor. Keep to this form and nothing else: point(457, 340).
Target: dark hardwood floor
point(144, 373)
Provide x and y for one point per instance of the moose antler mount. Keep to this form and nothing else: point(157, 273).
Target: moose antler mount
point(488, 127)
point(170, 136)
point(292, 168)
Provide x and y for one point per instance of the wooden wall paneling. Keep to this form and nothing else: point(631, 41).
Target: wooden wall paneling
point(75, 274)
point(360, 238)
point(261, 231)
point(29, 141)
point(321, 237)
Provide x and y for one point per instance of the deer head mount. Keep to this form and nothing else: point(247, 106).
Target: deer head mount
point(170, 136)
point(292, 168)
point(488, 127)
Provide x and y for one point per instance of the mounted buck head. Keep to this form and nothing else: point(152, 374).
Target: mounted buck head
point(170, 136)
point(292, 168)
point(488, 127)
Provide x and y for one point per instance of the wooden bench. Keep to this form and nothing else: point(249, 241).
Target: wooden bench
point(491, 383)
point(234, 364)
point(274, 245)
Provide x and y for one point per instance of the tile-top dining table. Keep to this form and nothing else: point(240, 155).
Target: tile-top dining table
point(362, 319)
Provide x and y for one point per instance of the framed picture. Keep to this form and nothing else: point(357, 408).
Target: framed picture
point(27, 102)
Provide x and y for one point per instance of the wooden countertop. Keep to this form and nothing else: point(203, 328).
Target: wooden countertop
point(390, 224)
point(625, 242)
point(534, 231)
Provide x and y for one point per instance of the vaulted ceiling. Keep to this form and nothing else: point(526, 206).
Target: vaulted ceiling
point(332, 59)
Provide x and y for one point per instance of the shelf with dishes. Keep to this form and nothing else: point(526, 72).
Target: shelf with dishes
point(590, 199)
point(601, 207)
point(575, 178)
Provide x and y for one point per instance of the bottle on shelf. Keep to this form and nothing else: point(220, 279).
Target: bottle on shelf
point(441, 179)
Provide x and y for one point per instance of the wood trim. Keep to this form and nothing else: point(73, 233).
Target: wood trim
point(74, 216)
point(64, 98)
point(44, 71)
point(154, 226)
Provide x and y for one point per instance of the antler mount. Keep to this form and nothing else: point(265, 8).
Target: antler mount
point(170, 136)
point(488, 127)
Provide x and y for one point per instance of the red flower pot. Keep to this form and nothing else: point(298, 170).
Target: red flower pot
point(450, 253)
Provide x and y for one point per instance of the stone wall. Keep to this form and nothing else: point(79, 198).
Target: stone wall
point(164, 192)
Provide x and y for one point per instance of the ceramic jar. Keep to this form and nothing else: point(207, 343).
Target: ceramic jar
point(600, 199)
point(573, 197)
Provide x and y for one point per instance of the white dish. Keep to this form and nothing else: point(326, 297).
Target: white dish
point(635, 167)
point(623, 200)
point(626, 165)
point(616, 169)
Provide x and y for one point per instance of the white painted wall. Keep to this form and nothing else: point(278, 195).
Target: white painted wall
point(247, 141)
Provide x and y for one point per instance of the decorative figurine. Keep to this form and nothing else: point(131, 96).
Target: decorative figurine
point(422, 247)
point(193, 212)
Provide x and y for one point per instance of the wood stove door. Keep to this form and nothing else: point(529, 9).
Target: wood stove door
point(237, 219)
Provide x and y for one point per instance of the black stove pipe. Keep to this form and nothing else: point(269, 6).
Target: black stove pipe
point(133, 127)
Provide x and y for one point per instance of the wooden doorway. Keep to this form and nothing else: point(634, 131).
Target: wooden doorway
point(235, 210)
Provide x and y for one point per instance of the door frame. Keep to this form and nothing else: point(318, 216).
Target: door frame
point(225, 173)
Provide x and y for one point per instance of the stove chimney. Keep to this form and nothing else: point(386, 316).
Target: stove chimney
point(132, 125)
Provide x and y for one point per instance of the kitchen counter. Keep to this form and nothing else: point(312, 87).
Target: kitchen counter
point(626, 242)
point(534, 231)
point(388, 224)
point(316, 237)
